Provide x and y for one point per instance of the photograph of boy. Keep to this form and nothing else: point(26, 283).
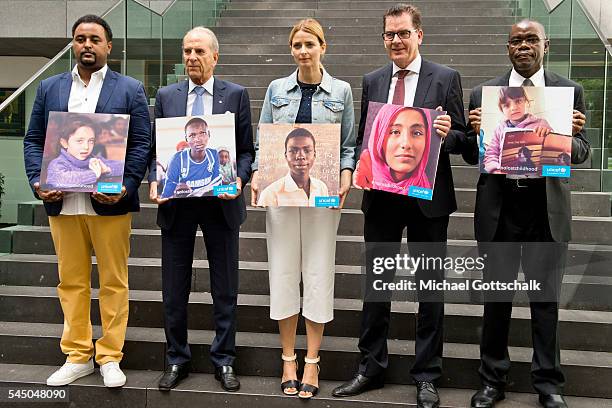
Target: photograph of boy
point(76, 167)
point(193, 171)
point(513, 103)
point(400, 149)
point(298, 188)
point(227, 166)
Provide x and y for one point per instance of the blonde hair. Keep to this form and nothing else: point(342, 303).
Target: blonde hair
point(310, 26)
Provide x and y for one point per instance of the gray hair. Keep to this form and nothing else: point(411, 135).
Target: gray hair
point(214, 43)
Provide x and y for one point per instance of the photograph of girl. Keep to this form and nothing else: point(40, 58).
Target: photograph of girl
point(514, 104)
point(400, 151)
point(73, 165)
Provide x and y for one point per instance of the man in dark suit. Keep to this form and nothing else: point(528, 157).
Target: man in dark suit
point(219, 218)
point(412, 81)
point(82, 221)
point(534, 215)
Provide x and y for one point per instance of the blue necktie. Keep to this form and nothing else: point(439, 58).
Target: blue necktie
point(198, 104)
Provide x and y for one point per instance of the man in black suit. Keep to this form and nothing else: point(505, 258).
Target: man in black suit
point(412, 81)
point(219, 218)
point(534, 215)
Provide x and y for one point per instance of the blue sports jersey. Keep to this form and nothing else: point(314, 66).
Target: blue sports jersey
point(200, 177)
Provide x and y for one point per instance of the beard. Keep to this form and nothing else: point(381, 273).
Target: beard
point(89, 62)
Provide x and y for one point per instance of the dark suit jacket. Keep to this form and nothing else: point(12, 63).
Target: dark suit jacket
point(171, 101)
point(489, 189)
point(438, 85)
point(119, 94)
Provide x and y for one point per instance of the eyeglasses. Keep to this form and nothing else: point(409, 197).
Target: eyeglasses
point(403, 34)
point(517, 42)
point(193, 135)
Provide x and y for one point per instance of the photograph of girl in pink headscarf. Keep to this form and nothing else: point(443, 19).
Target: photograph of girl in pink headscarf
point(399, 149)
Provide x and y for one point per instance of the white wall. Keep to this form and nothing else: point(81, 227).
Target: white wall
point(16, 70)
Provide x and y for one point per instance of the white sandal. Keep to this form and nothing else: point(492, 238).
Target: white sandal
point(290, 383)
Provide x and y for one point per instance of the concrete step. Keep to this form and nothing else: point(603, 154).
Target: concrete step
point(379, 58)
point(462, 24)
point(583, 259)
point(427, 50)
point(590, 204)
point(355, 81)
point(255, 391)
point(590, 230)
point(368, 29)
point(580, 289)
point(297, 14)
point(578, 330)
point(350, 35)
point(346, 69)
point(361, 5)
point(37, 343)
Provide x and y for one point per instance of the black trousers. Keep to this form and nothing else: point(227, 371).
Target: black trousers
point(523, 239)
point(177, 257)
point(387, 227)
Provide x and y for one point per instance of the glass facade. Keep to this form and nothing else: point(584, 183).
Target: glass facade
point(578, 52)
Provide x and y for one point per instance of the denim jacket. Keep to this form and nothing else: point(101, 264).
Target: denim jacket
point(331, 103)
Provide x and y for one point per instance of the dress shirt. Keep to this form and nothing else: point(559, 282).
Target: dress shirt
point(285, 192)
point(207, 96)
point(410, 81)
point(83, 99)
point(517, 79)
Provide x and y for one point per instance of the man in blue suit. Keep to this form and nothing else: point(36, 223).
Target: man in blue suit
point(218, 217)
point(82, 221)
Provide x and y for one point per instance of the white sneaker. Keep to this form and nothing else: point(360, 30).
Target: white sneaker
point(112, 374)
point(70, 372)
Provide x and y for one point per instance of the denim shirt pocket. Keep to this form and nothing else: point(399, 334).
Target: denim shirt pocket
point(280, 109)
point(333, 110)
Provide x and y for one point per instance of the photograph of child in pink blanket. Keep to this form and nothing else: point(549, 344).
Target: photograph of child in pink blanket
point(513, 103)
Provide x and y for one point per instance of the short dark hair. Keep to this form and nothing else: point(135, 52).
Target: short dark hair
point(92, 18)
point(299, 132)
point(195, 121)
point(400, 9)
point(511, 92)
point(72, 127)
point(534, 22)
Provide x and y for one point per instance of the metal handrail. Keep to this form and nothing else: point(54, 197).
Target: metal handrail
point(60, 54)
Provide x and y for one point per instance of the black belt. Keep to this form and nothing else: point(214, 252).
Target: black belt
point(525, 182)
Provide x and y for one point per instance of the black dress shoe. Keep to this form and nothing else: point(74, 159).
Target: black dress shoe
point(486, 397)
point(358, 384)
point(227, 377)
point(172, 376)
point(427, 395)
point(552, 401)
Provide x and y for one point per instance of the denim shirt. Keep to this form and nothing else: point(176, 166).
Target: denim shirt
point(331, 103)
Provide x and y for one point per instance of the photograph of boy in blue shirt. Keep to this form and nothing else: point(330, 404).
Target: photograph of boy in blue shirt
point(193, 172)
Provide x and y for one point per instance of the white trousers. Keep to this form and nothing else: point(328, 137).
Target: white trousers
point(302, 246)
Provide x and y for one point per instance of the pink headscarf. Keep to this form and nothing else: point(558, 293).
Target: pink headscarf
point(376, 144)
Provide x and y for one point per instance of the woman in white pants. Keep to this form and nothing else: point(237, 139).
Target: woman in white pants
point(302, 240)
